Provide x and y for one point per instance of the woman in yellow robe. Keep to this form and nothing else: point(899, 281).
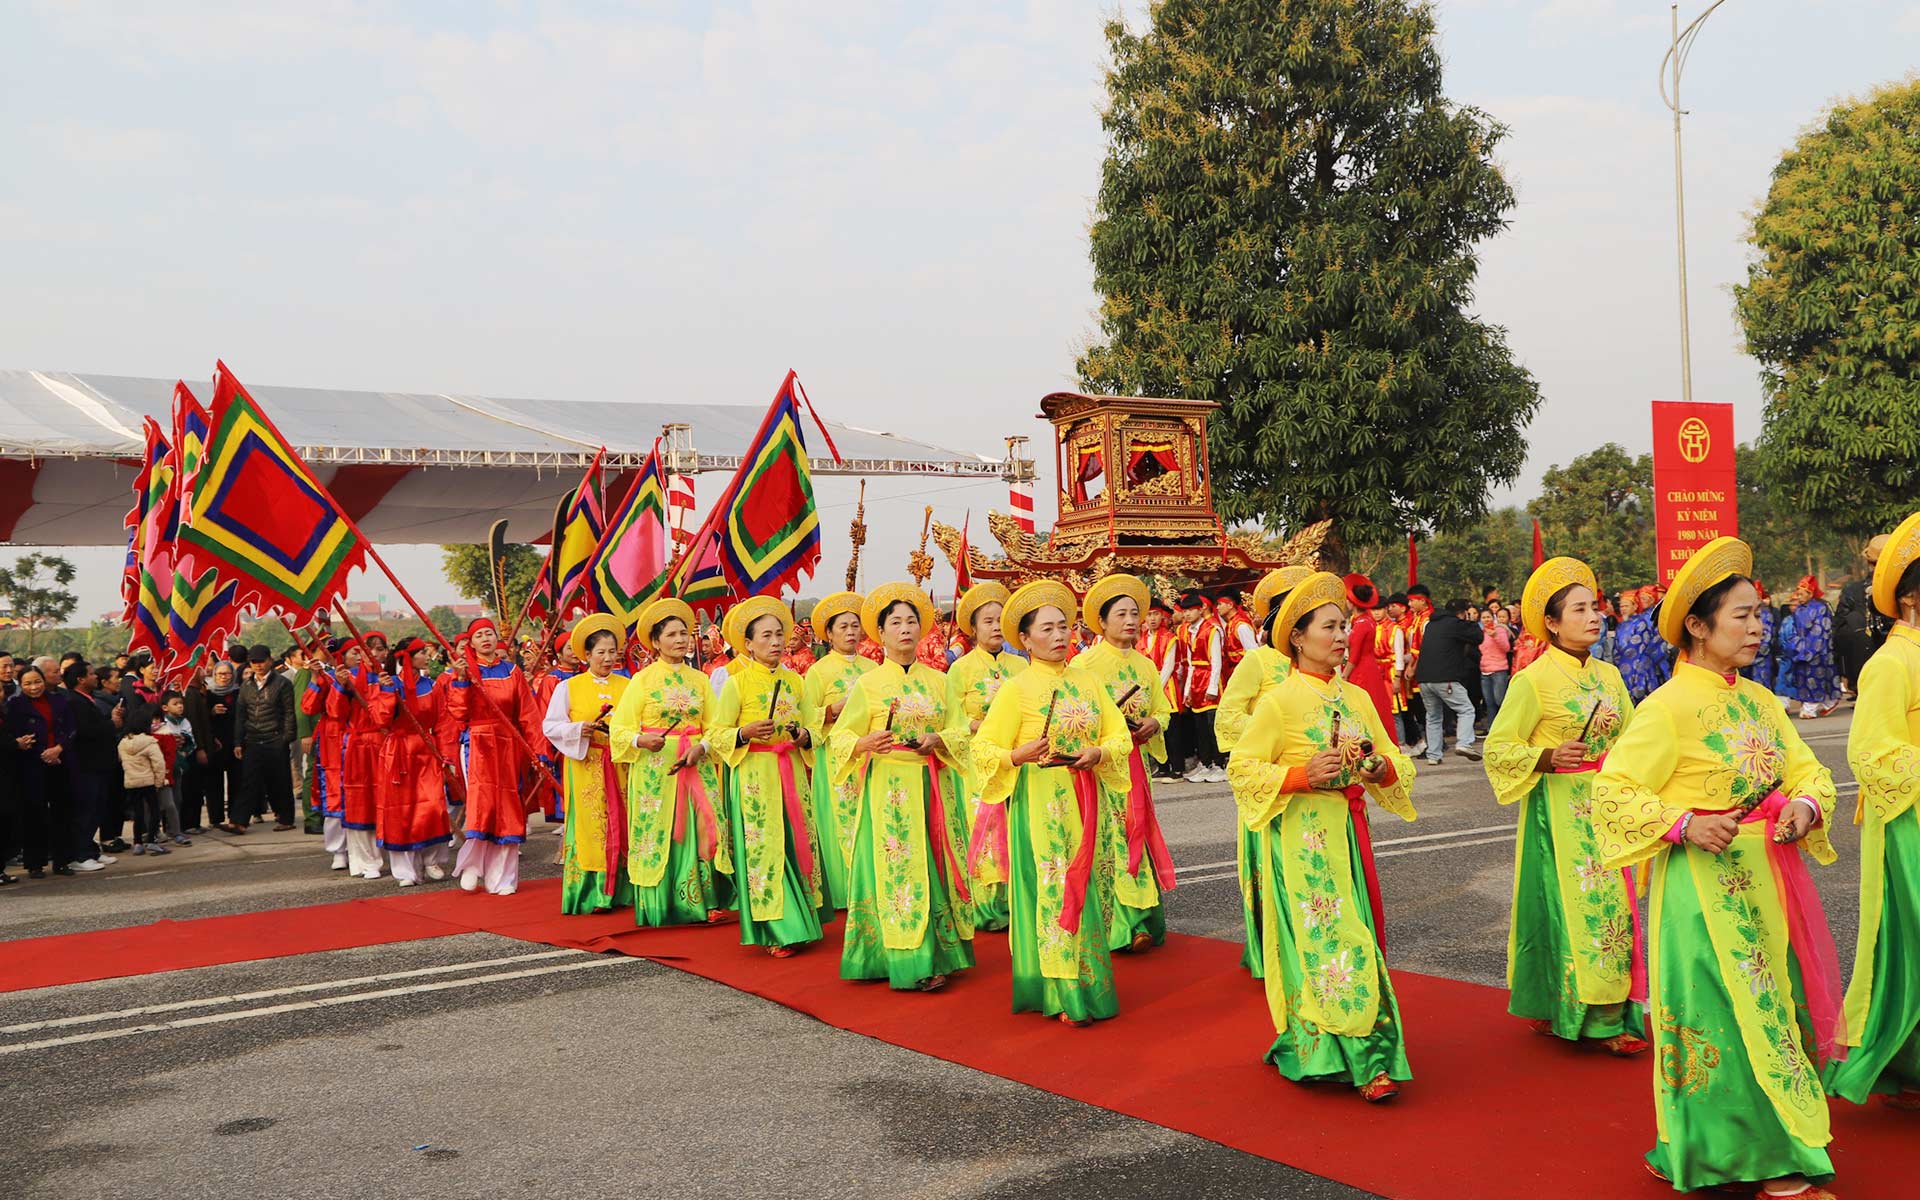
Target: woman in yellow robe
point(909, 920)
point(1883, 748)
point(756, 731)
point(1713, 789)
point(1143, 867)
point(824, 695)
point(1263, 669)
point(973, 681)
point(1301, 774)
point(1051, 742)
point(1573, 956)
point(593, 876)
point(679, 855)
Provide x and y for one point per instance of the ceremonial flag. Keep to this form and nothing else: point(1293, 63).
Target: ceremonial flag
point(680, 506)
point(577, 537)
point(143, 498)
point(149, 620)
point(963, 569)
point(259, 517)
point(770, 532)
point(190, 425)
point(201, 615)
point(703, 582)
point(630, 564)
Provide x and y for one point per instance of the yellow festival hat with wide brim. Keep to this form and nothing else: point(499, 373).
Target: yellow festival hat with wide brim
point(1899, 553)
point(744, 614)
point(1109, 589)
point(594, 623)
point(663, 609)
point(979, 596)
point(831, 606)
point(1712, 563)
point(887, 593)
point(1272, 586)
point(1036, 595)
point(1545, 582)
point(1310, 594)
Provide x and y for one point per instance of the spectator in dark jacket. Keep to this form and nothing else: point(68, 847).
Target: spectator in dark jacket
point(211, 702)
point(266, 730)
point(1449, 654)
point(1858, 628)
point(39, 731)
point(93, 762)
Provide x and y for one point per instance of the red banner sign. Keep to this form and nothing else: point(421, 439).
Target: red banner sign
point(1694, 500)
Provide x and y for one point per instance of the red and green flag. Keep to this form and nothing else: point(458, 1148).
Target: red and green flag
point(770, 532)
point(630, 565)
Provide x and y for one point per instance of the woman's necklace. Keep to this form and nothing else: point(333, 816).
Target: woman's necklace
point(1332, 697)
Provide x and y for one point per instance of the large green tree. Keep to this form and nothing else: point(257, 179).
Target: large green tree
point(1787, 543)
point(1599, 509)
point(1286, 226)
point(466, 568)
point(34, 592)
point(1495, 550)
point(1831, 308)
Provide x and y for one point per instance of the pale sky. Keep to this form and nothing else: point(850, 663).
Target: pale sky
point(684, 199)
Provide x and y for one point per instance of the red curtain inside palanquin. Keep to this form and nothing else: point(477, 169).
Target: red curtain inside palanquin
point(1088, 465)
point(1150, 458)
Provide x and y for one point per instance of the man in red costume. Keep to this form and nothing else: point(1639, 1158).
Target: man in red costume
point(1161, 643)
point(1237, 627)
point(564, 665)
point(328, 739)
point(1414, 625)
point(348, 704)
point(1205, 643)
point(1364, 666)
point(490, 700)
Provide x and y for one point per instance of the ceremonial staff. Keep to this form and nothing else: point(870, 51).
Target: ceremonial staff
point(453, 780)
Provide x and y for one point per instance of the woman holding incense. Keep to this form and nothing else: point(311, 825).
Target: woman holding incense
point(1883, 748)
point(1573, 956)
point(1142, 865)
point(1301, 773)
point(756, 732)
point(1051, 743)
point(973, 680)
point(1713, 789)
point(593, 874)
point(679, 849)
point(822, 698)
point(909, 911)
point(1263, 669)
point(412, 825)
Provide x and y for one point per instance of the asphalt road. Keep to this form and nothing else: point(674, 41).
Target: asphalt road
point(498, 1068)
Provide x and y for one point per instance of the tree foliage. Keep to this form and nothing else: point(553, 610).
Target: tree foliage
point(1494, 551)
point(1831, 308)
point(1786, 543)
point(34, 591)
point(1599, 507)
point(1287, 220)
point(467, 570)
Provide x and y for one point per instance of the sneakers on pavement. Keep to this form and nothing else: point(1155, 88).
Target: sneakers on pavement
point(340, 861)
point(1217, 775)
point(1470, 753)
point(91, 864)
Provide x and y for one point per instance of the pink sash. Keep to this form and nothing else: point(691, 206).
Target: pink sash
point(989, 839)
point(1807, 933)
point(796, 811)
point(689, 788)
point(1637, 985)
point(616, 799)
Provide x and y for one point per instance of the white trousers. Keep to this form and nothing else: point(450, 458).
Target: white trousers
point(333, 835)
point(498, 866)
point(363, 854)
point(408, 864)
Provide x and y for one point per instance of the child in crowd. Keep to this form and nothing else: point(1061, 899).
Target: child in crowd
point(176, 746)
point(144, 770)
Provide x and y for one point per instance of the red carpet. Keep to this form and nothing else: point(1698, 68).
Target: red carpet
point(1493, 1111)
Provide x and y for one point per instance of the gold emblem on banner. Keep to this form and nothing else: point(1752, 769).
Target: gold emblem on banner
point(1695, 440)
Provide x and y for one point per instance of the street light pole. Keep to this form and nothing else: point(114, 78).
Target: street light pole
point(1677, 52)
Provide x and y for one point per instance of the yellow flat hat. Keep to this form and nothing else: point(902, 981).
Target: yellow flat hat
point(593, 623)
point(832, 606)
point(1319, 588)
point(1038, 594)
point(660, 610)
point(1895, 557)
point(977, 597)
point(1547, 579)
point(1272, 586)
point(1710, 564)
point(750, 610)
point(1112, 587)
point(879, 598)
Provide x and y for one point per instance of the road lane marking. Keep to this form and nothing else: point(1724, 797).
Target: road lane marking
point(101, 1035)
point(1450, 845)
point(247, 997)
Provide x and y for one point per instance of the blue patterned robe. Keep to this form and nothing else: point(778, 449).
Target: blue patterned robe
point(1803, 669)
point(1763, 668)
point(1643, 657)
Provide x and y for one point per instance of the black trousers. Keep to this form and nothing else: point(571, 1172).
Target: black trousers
point(89, 808)
point(146, 813)
point(1179, 738)
point(209, 785)
point(266, 781)
point(1205, 748)
point(46, 822)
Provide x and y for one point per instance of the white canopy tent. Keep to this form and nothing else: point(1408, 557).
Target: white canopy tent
point(411, 468)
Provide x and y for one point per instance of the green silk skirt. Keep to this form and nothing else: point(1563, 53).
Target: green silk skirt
point(833, 870)
point(799, 922)
point(865, 954)
point(689, 889)
point(1887, 1060)
point(1248, 854)
point(1090, 995)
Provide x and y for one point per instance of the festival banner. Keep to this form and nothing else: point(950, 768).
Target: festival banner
point(630, 565)
point(144, 495)
point(770, 533)
point(1694, 496)
point(578, 537)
